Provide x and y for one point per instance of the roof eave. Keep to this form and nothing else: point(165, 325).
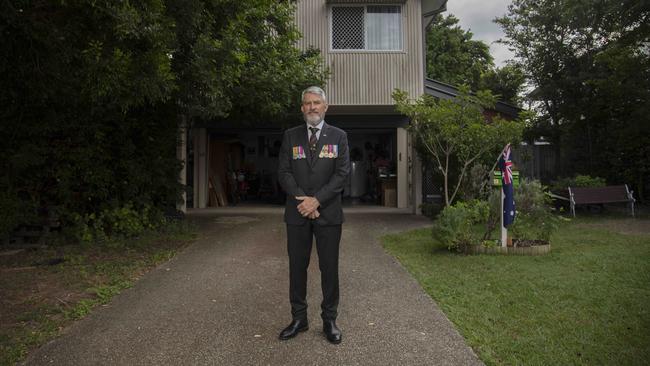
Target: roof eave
point(445, 91)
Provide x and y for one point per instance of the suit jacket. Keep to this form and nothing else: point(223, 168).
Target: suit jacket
point(322, 176)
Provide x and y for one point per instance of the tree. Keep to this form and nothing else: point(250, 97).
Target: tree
point(73, 74)
point(507, 83)
point(611, 138)
point(238, 60)
point(453, 57)
point(588, 63)
point(455, 133)
point(93, 92)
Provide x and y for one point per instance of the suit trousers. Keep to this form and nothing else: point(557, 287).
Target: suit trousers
point(299, 244)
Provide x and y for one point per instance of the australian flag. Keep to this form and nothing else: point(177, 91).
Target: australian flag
point(505, 164)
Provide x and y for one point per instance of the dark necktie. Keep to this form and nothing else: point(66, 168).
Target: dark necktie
point(313, 139)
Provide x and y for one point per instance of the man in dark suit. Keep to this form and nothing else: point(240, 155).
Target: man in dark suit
point(313, 169)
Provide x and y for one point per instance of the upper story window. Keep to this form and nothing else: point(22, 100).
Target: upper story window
point(371, 27)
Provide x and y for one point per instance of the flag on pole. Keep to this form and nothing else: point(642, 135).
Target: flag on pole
point(505, 164)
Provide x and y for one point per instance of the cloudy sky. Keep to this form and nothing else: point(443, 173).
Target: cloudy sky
point(477, 16)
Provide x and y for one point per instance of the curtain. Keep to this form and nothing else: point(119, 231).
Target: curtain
point(383, 28)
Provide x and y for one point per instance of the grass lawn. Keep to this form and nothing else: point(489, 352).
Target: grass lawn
point(587, 302)
point(44, 290)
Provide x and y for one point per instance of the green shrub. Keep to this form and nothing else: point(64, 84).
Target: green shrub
point(538, 224)
point(578, 181)
point(535, 218)
point(530, 195)
point(456, 228)
point(114, 223)
point(454, 225)
point(588, 181)
point(431, 210)
point(493, 219)
point(13, 212)
point(477, 184)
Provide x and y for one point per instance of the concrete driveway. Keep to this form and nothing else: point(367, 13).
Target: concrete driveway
point(224, 300)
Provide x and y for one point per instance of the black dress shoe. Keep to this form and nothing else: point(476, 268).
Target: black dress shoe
point(332, 332)
point(296, 326)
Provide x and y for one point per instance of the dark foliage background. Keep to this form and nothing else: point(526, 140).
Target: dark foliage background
point(93, 93)
point(588, 64)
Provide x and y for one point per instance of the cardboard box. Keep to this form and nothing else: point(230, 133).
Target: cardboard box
point(390, 197)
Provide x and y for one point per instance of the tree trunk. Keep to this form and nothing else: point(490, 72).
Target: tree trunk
point(446, 175)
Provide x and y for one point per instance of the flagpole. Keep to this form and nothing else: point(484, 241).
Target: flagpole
point(504, 231)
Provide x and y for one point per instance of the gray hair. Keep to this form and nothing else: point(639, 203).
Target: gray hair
point(314, 90)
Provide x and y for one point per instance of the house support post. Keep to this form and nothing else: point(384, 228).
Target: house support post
point(402, 168)
point(417, 183)
point(200, 168)
point(181, 155)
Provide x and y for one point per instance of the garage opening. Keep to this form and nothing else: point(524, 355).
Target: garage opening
point(242, 168)
point(373, 175)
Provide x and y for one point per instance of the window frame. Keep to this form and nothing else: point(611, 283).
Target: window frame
point(365, 33)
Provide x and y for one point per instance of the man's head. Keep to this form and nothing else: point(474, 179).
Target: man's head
point(314, 105)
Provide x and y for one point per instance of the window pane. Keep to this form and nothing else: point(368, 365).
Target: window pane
point(347, 28)
point(384, 28)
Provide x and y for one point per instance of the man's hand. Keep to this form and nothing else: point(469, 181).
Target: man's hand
point(314, 215)
point(308, 205)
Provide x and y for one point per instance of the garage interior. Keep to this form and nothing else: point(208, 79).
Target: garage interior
point(242, 167)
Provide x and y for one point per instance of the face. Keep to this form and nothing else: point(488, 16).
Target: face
point(313, 108)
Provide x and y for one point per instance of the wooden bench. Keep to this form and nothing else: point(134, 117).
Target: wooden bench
point(600, 195)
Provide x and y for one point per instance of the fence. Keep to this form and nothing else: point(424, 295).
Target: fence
point(536, 161)
point(533, 161)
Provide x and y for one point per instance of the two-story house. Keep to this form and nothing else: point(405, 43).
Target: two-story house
point(371, 47)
